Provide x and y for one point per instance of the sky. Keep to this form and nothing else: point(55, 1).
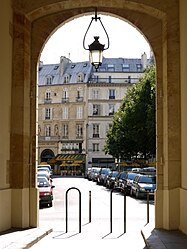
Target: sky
point(125, 40)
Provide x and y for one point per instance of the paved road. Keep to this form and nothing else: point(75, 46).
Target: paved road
point(97, 232)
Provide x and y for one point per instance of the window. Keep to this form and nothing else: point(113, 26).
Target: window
point(48, 113)
point(65, 93)
point(72, 66)
point(125, 67)
point(96, 109)
point(79, 98)
point(65, 96)
point(48, 95)
point(111, 67)
point(80, 77)
point(111, 93)
point(138, 67)
point(111, 109)
point(66, 78)
point(129, 79)
point(56, 67)
point(95, 147)
point(47, 130)
point(65, 130)
point(65, 112)
point(79, 131)
point(79, 112)
point(96, 94)
point(95, 130)
point(49, 80)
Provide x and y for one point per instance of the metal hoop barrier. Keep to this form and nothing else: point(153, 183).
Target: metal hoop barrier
point(79, 208)
point(118, 188)
point(148, 203)
point(90, 207)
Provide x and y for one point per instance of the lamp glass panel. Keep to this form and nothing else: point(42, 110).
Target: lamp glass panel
point(96, 57)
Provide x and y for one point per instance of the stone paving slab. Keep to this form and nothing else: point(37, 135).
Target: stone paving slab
point(163, 239)
point(22, 239)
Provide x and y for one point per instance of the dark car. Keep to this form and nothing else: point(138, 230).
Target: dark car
point(143, 184)
point(127, 182)
point(120, 179)
point(110, 182)
point(45, 191)
point(102, 174)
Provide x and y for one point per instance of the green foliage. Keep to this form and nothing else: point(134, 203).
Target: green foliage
point(133, 127)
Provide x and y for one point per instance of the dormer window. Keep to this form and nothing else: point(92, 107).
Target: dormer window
point(66, 78)
point(56, 67)
point(139, 67)
point(125, 67)
point(80, 77)
point(73, 65)
point(111, 67)
point(85, 64)
point(49, 80)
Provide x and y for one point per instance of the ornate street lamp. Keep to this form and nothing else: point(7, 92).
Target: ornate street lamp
point(96, 48)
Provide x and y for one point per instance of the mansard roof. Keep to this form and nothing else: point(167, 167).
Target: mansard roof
point(73, 69)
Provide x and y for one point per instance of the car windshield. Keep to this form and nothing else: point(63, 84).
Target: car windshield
point(131, 176)
point(115, 173)
point(146, 179)
point(42, 182)
point(105, 171)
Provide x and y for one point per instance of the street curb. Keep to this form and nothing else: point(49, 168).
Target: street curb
point(38, 238)
point(29, 239)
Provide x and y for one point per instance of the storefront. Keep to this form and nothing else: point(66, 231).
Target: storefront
point(68, 164)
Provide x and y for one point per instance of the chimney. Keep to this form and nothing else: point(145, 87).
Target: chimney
point(144, 60)
point(63, 63)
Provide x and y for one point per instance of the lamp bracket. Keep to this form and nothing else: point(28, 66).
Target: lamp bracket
point(96, 18)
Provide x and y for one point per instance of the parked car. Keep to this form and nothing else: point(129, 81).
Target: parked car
point(149, 171)
point(45, 174)
point(87, 171)
point(119, 179)
point(45, 191)
point(110, 182)
point(127, 182)
point(101, 175)
point(44, 170)
point(92, 175)
point(143, 184)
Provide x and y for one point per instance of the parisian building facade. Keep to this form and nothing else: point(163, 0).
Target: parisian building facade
point(76, 105)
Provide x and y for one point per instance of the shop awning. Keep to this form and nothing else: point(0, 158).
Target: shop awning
point(68, 159)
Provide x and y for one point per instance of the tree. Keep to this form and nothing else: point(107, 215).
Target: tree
point(133, 129)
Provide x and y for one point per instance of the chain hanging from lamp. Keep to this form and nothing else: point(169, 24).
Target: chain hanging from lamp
point(96, 48)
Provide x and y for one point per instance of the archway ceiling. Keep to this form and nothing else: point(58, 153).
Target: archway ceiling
point(36, 9)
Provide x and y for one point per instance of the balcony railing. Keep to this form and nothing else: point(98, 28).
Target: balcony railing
point(113, 80)
point(47, 101)
point(48, 138)
point(79, 99)
point(65, 100)
point(95, 135)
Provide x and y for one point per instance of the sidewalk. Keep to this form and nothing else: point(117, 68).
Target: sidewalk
point(154, 239)
point(163, 239)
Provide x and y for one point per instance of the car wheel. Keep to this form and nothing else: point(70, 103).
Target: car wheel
point(50, 204)
point(137, 194)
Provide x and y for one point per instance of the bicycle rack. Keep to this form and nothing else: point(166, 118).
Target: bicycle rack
point(117, 188)
point(79, 208)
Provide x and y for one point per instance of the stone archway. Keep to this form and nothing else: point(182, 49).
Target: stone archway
point(46, 155)
point(33, 24)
